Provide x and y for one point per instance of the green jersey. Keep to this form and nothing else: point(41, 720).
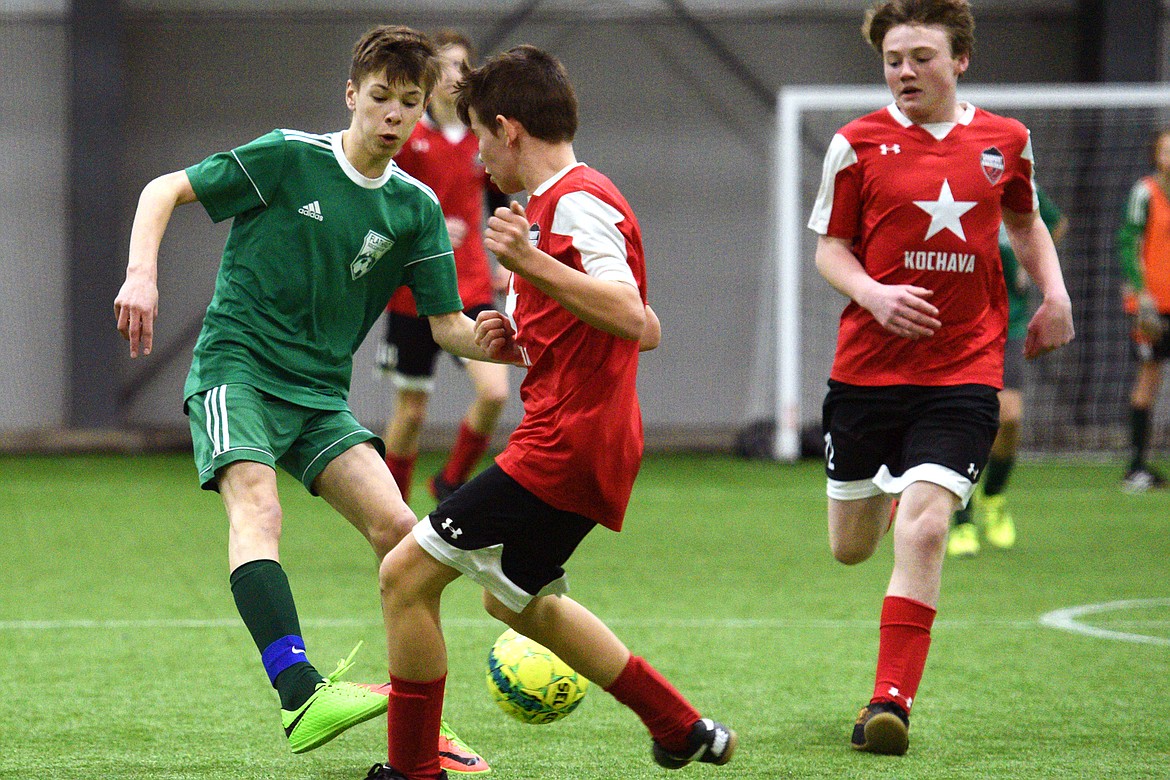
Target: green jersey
point(315, 251)
point(1018, 293)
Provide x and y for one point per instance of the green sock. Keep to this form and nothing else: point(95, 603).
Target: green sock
point(265, 602)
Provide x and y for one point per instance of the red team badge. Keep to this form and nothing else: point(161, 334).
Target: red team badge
point(993, 165)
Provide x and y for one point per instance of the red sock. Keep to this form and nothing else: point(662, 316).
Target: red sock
point(416, 708)
point(653, 699)
point(905, 641)
point(401, 468)
point(469, 448)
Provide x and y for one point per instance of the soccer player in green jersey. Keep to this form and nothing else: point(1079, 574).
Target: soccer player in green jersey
point(325, 228)
point(988, 502)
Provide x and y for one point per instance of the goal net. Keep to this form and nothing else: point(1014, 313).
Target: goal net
point(1091, 144)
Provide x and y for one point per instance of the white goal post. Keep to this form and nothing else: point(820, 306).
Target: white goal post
point(1078, 111)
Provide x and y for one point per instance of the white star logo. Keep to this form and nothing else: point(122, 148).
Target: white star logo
point(945, 212)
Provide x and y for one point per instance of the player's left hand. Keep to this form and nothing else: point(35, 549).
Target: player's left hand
point(507, 236)
point(1051, 327)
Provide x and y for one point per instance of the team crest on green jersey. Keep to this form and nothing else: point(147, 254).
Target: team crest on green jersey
point(373, 248)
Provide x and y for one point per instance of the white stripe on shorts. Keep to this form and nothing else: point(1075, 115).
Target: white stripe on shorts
point(215, 408)
point(482, 567)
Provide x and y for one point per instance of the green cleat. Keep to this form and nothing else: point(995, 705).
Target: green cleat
point(998, 526)
point(333, 708)
point(963, 541)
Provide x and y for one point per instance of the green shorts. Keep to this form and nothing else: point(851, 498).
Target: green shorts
point(238, 422)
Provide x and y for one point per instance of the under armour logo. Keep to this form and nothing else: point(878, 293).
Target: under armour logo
point(891, 149)
point(448, 526)
point(972, 472)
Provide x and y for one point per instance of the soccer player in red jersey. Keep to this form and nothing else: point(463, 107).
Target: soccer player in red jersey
point(443, 154)
point(576, 319)
point(908, 214)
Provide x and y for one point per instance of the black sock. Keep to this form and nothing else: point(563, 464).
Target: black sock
point(1139, 427)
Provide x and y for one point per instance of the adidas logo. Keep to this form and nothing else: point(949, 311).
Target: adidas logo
point(312, 210)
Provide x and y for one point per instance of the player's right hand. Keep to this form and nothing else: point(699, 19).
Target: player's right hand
point(1149, 320)
point(903, 310)
point(495, 335)
point(135, 310)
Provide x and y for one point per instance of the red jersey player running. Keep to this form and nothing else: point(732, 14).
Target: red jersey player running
point(576, 317)
point(443, 155)
point(908, 215)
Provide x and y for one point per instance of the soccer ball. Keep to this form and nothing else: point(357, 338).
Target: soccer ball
point(529, 682)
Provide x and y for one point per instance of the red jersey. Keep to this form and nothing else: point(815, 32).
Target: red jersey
point(579, 445)
point(449, 165)
point(922, 205)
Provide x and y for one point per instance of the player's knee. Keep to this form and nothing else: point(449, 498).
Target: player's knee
point(928, 532)
point(494, 397)
point(259, 518)
point(394, 578)
point(388, 530)
point(851, 551)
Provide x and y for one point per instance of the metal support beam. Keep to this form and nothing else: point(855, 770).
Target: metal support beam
point(95, 268)
point(762, 92)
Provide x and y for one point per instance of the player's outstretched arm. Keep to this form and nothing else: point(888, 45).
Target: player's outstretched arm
point(902, 309)
point(1052, 324)
point(456, 333)
point(136, 306)
point(612, 306)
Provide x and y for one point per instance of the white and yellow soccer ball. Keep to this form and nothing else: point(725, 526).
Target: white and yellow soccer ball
point(529, 682)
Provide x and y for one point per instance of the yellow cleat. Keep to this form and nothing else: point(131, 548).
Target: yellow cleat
point(963, 541)
point(998, 526)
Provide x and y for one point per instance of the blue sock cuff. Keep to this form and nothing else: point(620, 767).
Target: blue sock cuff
point(283, 653)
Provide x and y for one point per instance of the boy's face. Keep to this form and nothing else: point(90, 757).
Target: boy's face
point(384, 113)
point(498, 157)
point(455, 64)
point(921, 71)
point(1162, 154)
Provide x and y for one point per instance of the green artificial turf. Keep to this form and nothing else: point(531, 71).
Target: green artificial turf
point(125, 658)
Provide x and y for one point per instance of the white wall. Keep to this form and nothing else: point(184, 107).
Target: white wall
point(34, 222)
point(682, 137)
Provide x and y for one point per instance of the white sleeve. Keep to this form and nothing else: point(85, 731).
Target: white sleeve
point(592, 224)
point(839, 157)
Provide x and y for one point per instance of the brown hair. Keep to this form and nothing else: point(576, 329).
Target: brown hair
point(401, 53)
point(448, 37)
point(953, 15)
point(525, 84)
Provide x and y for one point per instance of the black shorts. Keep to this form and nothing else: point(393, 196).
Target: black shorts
point(880, 439)
point(412, 353)
point(504, 538)
point(1145, 350)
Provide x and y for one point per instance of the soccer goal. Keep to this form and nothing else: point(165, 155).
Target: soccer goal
point(1091, 144)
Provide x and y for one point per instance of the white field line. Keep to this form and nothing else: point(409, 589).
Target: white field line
point(1067, 619)
point(666, 623)
point(1062, 619)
